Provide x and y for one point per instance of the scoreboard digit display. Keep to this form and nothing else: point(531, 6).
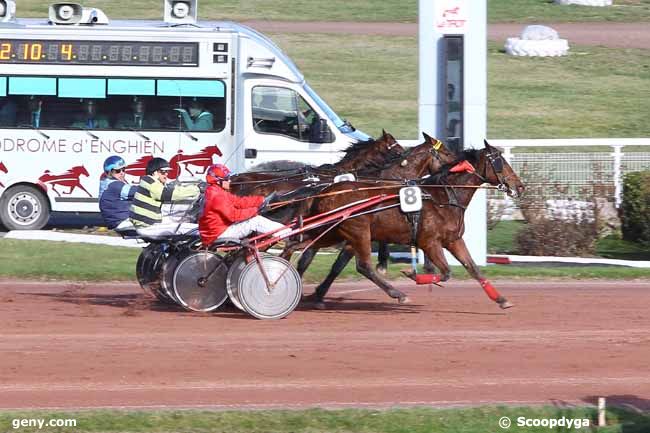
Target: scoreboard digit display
point(104, 53)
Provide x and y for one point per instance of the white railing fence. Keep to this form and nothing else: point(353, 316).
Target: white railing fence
point(572, 173)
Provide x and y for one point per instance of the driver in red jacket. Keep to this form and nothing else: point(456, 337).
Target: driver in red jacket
point(226, 215)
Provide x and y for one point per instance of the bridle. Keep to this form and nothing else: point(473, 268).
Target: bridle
point(496, 161)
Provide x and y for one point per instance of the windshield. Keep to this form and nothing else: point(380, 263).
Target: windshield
point(340, 124)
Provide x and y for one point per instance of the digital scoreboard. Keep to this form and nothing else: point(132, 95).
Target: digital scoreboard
point(105, 53)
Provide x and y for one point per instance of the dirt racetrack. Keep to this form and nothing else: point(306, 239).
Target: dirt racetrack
point(105, 345)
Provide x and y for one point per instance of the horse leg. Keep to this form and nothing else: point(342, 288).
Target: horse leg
point(83, 189)
point(434, 253)
point(306, 259)
point(429, 266)
point(459, 250)
point(341, 261)
point(361, 245)
point(383, 254)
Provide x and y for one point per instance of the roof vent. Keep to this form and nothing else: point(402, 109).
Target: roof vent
point(181, 11)
point(7, 11)
point(75, 14)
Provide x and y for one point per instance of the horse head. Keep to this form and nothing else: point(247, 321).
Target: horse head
point(388, 145)
point(370, 154)
point(79, 170)
point(496, 171)
point(428, 157)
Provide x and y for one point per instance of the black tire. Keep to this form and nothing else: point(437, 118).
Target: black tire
point(24, 207)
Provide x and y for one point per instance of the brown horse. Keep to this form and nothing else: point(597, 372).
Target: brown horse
point(361, 155)
point(442, 222)
point(425, 159)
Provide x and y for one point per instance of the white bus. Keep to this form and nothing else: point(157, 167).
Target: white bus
point(75, 89)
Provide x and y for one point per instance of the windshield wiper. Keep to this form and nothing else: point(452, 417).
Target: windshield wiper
point(86, 130)
point(139, 133)
point(44, 135)
point(347, 123)
point(189, 134)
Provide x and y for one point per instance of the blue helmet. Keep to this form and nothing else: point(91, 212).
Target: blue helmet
point(113, 163)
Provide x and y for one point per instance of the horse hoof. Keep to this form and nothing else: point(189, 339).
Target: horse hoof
point(320, 305)
point(381, 270)
point(404, 300)
point(506, 304)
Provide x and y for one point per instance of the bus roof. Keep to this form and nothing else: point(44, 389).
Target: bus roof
point(160, 26)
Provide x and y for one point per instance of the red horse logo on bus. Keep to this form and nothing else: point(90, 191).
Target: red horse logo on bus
point(68, 179)
point(138, 168)
point(202, 159)
point(3, 168)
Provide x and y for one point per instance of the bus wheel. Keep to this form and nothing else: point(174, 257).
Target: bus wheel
point(24, 207)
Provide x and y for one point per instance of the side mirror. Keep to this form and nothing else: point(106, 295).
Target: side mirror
point(320, 132)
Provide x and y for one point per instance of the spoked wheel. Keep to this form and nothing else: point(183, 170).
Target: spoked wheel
point(200, 281)
point(148, 270)
point(269, 302)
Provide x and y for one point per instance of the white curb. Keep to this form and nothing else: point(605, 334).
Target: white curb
point(46, 235)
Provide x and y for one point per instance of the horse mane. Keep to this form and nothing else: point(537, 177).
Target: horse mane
point(280, 165)
point(353, 150)
point(470, 155)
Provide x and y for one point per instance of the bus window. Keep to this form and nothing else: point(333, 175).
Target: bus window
point(282, 111)
point(82, 88)
point(8, 111)
point(200, 104)
point(131, 87)
point(112, 103)
point(32, 86)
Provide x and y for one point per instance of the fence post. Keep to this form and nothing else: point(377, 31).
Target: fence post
point(618, 183)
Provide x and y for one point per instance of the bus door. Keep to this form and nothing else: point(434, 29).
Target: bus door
point(282, 123)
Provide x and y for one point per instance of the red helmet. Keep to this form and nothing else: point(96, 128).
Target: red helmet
point(217, 173)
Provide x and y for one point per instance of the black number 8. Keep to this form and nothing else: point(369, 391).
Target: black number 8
point(410, 196)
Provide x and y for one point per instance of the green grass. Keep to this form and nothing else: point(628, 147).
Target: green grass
point(524, 11)
point(372, 81)
point(535, 11)
point(501, 241)
point(500, 238)
point(66, 261)
point(83, 262)
point(593, 92)
point(415, 420)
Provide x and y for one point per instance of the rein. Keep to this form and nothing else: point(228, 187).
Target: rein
point(369, 188)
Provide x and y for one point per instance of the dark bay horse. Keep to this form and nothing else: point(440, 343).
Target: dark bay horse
point(359, 156)
point(442, 220)
point(425, 159)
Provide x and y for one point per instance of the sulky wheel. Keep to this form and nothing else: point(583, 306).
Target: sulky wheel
point(148, 270)
point(276, 301)
point(200, 281)
point(168, 270)
point(234, 272)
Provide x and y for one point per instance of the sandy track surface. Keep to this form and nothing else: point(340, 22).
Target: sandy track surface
point(106, 345)
point(614, 35)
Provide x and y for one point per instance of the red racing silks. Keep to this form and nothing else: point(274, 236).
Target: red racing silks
point(489, 289)
point(462, 166)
